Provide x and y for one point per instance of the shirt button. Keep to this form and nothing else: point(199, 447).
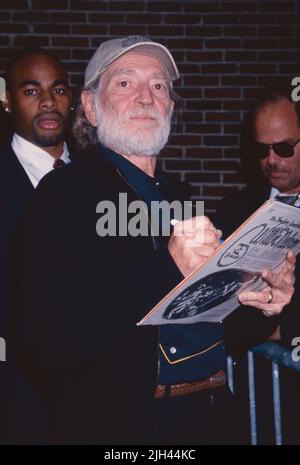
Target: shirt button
point(157, 183)
point(173, 350)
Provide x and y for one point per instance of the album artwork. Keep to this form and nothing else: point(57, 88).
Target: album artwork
point(210, 293)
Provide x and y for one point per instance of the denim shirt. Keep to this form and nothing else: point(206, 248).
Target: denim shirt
point(186, 352)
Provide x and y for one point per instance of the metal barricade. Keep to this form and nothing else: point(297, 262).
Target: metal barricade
point(279, 356)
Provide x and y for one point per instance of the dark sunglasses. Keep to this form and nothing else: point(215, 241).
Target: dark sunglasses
point(282, 149)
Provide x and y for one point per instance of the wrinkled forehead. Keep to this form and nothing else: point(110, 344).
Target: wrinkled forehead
point(139, 64)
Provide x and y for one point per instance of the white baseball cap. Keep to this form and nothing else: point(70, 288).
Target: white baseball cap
point(111, 50)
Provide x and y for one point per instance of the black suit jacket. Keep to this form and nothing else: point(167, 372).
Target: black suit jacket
point(15, 191)
point(245, 329)
point(21, 409)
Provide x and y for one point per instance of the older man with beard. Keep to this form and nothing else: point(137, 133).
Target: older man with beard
point(105, 379)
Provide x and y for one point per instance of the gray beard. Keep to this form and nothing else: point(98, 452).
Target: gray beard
point(144, 143)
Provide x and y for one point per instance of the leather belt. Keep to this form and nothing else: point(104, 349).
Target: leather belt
point(214, 381)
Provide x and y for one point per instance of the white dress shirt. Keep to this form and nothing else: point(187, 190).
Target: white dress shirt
point(35, 160)
point(274, 192)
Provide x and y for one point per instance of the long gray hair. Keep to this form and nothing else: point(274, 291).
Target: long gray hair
point(84, 134)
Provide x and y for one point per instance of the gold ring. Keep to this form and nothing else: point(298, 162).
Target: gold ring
point(270, 297)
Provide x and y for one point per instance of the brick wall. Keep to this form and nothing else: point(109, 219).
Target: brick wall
point(224, 50)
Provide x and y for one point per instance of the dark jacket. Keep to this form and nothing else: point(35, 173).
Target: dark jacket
point(245, 329)
point(79, 299)
point(21, 412)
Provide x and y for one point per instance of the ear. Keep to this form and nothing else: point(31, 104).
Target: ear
point(4, 95)
point(87, 100)
point(6, 102)
point(172, 105)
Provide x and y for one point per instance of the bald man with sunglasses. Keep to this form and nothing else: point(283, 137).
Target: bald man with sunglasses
point(276, 150)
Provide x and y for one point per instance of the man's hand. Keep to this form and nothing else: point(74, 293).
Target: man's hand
point(192, 242)
point(280, 288)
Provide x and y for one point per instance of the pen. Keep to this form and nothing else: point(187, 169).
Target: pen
point(190, 204)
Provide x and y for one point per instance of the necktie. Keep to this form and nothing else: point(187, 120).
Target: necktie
point(58, 163)
point(289, 199)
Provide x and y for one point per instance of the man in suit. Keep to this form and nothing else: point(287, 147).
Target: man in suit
point(276, 148)
point(38, 100)
point(100, 371)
